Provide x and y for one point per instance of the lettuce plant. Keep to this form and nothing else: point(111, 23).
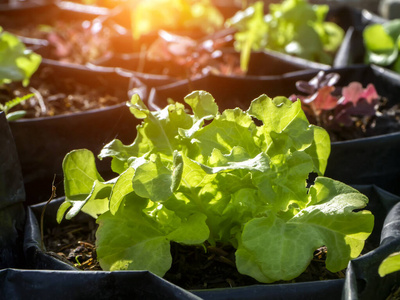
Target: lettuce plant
point(236, 177)
point(294, 27)
point(382, 44)
point(337, 109)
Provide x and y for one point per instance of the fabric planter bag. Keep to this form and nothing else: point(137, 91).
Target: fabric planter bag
point(362, 278)
point(43, 142)
point(380, 203)
point(12, 196)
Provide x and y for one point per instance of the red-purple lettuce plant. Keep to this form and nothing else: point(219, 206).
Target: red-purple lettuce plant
point(337, 109)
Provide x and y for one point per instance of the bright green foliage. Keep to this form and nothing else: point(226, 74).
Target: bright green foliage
point(382, 44)
point(219, 177)
point(175, 15)
point(390, 264)
point(293, 27)
point(16, 62)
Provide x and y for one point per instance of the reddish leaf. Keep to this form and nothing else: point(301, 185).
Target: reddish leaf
point(323, 99)
point(370, 94)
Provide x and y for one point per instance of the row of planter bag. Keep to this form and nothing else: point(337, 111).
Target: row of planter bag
point(181, 149)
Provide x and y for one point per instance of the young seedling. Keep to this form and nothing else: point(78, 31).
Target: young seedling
point(15, 115)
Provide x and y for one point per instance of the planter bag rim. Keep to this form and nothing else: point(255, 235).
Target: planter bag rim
point(84, 67)
point(261, 78)
point(330, 70)
point(359, 66)
point(76, 114)
point(105, 284)
point(25, 6)
point(83, 8)
point(126, 72)
point(141, 88)
point(387, 136)
point(295, 59)
point(271, 291)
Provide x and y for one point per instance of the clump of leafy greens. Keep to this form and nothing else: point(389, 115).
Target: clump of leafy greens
point(16, 62)
point(351, 108)
point(221, 178)
point(175, 15)
point(382, 44)
point(293, 27)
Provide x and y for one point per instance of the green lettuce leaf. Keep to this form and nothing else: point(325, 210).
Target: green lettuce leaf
point(273, 249)
point(84, 188)
point(138, 236)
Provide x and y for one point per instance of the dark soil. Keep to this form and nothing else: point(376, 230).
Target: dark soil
point(193, 267)
point(55, 94)
point(69, 41)
point(386, 120)
point(395, 293)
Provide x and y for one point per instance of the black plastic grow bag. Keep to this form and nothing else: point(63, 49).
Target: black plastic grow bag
point(371, 160)
point(12, 196)
point(380, 204)
point(43, 142)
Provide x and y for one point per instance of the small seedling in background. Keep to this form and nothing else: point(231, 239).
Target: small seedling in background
point(15, 115)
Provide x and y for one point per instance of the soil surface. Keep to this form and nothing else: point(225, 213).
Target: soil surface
point(69, 41)
point(385, 121)
point(57, 95)
point(193, 267)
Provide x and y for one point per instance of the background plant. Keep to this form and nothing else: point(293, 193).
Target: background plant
point(382, 44)
point(16, 64)
point(293, 27)
point(175, 15)
point(343, 111)
point(221, 178)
